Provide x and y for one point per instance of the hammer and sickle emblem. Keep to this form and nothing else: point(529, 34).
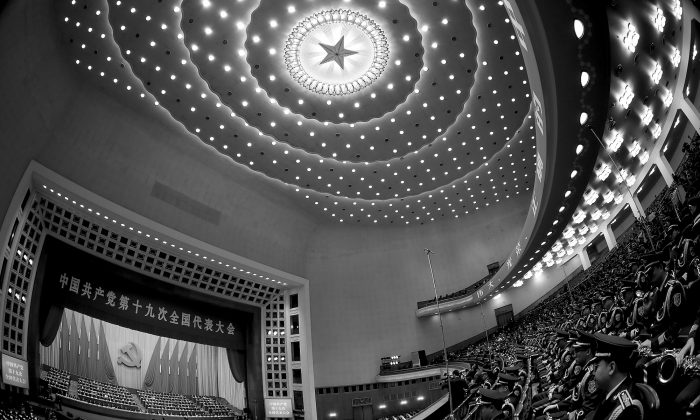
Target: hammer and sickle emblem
point(129, 356)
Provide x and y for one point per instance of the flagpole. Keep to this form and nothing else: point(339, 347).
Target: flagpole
point(442, 330)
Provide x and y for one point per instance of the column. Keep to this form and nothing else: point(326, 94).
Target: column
point(636, 206)
point(691, 112)
point(583, 256)
point(609, 237)
point(664, 168)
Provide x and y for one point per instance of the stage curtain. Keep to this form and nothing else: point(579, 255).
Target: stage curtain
point(83, 351)
point(229, 387)
point(74, 345)
point(182, 368)
point(149, 378)
point(51, 325)
point(207, 370)
point(236, 359)
point(106, 366)
point(192, 372)
point(93, 353)
point(65, 340)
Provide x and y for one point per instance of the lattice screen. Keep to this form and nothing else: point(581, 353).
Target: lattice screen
point(94, 236)
point(276, 374)
point(19, 255)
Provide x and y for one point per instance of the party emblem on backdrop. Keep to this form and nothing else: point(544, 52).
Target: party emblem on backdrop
point(129, 356)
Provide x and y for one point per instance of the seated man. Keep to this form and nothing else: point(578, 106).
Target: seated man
point(612, 364)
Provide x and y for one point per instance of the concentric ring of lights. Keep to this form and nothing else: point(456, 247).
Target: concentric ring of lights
point(294, 60)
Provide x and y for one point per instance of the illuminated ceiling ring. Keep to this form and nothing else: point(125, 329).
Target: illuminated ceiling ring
point(366, 33)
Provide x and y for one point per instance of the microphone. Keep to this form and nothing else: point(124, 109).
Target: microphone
point(427, 251)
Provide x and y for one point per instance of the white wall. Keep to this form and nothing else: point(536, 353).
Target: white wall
point(365, 283)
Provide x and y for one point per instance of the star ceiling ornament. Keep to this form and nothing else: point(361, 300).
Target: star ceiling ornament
point(336, 52)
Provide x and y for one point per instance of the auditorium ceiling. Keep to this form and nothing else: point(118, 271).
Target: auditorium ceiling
point(370, 112)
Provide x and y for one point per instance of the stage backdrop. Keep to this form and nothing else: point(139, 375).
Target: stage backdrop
point(105, 352)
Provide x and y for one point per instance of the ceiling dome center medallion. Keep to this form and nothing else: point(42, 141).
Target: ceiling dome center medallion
point(336, 52)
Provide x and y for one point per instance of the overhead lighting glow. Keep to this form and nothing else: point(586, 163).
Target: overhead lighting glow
point(677, 9)
point(675, 57)
point(603, 172)
point(578, 28)
point(626, 97)
point(583, 118)
point(659, 20)
point(656, 131)
point(656, 73)
point(584, 78)
point(647, 115)
point(615, 141)
point(636, 148)
point(579, 149)
point(630, 38)
point(590, 196)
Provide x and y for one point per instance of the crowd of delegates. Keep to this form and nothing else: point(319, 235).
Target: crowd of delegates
point(458, 294)
point(106, 395)
point(58, 382)
point(404, 416)
point(619, 344)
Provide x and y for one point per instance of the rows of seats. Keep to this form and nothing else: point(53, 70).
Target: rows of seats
point(213, 406)
point(169, 404)
point(113, 396)
point(57, 380)
point(619, 338)
point(458, 294)
point(404, 416)
point(16, 414)
point(106, 395)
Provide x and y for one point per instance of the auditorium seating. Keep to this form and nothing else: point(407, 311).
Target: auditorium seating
point(106, 395)
point(404, 416)
point(633, 281)
point(169, 404)
point(213, 406)
point(57, 380)
point(15, 414)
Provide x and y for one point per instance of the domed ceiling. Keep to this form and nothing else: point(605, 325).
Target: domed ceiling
point(380, 112)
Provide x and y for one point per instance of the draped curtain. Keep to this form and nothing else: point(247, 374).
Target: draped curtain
point(50, 325)
point(236, 359)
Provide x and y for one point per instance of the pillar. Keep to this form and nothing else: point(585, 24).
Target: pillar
point(609, 236)
point(583, 256)
point(664, 168)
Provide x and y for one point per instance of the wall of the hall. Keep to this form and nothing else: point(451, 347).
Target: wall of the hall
point(51, 113)
point(365, 283)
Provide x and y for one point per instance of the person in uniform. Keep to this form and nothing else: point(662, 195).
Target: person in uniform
point(611, 365)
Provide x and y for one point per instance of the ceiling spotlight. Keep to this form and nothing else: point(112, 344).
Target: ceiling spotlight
point(579, 149)
point(615, 140)
point(647, 115)
point(668, 99)
point(675, 57)
point(584, 78)
point(631, 37)
point(636, 148)
point(603, 172)
point(676, 9)
point(583, 118)
point(659, 20)
point(656, 73)
point(578, 28)
point(626, 96)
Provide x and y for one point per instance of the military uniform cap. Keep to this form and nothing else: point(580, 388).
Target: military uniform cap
point(613, 347)
point(507, 378)
point(492, 396)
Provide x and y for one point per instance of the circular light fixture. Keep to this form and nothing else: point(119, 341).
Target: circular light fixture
point(584, 78)
point(583, 118)
point(579, 149)
point(578, 28)
point(336, 52)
